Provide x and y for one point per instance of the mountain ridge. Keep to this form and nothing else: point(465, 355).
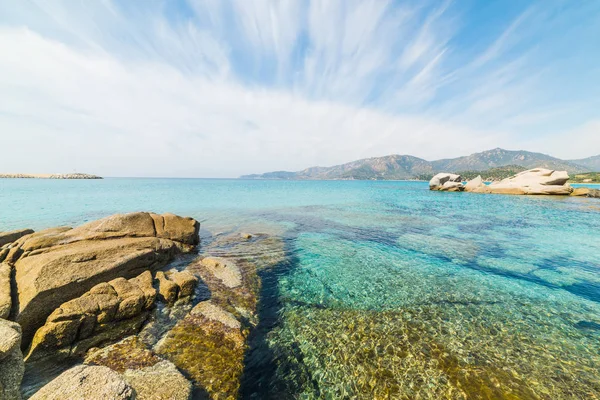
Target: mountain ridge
point(402, 167)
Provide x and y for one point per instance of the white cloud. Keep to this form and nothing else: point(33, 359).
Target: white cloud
point(164, 97)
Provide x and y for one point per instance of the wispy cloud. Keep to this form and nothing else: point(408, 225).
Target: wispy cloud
point(221, 88)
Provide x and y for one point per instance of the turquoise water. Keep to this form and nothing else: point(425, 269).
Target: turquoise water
point(386, 290)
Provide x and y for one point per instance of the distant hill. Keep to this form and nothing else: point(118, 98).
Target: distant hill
point(592, 163)
point(399, 167)
point(500, 157)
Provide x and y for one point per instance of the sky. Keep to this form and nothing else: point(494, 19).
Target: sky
point(221, 88)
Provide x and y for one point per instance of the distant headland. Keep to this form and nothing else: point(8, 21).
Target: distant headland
point(76, 175)
point(492, 165)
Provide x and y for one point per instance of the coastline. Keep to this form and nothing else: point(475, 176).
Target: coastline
point(49, 176)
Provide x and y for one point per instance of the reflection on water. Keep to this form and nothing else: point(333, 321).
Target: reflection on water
point(387, 290)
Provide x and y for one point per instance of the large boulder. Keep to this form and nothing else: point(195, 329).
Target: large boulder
point(446, 182)
point(12, 366)
point(474, 184)
point(103, 314)
point(86, 382)
point(57, 265)
point(8, 237)
point(537, 181)
point(160, 381)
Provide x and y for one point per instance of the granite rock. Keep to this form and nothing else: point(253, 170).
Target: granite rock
point(84, 382)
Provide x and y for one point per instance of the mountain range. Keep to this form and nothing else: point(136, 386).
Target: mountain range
point(396, 167)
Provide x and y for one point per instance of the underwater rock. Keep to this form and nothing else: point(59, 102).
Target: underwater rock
point(220, 348)
point(446, 182)
point(224, 270)
point(216, 313)
point(12, 366)
point(56, 265)
point(86, 382)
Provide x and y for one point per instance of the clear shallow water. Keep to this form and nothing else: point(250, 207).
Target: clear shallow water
point(386, 289)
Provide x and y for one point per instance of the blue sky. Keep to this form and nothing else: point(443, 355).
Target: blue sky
point(220, 88)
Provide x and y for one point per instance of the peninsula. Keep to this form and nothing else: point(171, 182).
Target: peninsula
point(75, 175)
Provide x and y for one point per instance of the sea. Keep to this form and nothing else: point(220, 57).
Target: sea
point(384, 288)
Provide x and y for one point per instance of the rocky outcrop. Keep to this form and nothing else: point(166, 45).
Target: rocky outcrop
point(446, 182)
point(8, 237)
point(586, 192)
point(86, 382)
point(12, 367)
point(580, 192)
point(56, 265)
point(107, 312)
point(537, 181)
point(160, 381)
point(474, 184)
point(5, 290)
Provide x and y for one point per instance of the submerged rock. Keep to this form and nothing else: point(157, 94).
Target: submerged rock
point(56, 265)
point(12, 366)
point(86, 382)
point(224, 270)
point(446, 182)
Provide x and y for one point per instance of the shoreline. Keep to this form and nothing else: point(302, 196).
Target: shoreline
point(49, 176)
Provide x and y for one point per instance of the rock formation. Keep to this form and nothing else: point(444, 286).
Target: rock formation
point(107, 312)
point(8, 237)
point(143, 331)
point(538, 181)
point(56, 265)
point(87, 382)
point(5, 289)
point(446, 182)
point(586, 192)
point(12, 367)
point(160, 381)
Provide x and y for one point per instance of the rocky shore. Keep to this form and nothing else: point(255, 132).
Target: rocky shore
point(129, 306)
point(537, 181)
point(49, 176)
